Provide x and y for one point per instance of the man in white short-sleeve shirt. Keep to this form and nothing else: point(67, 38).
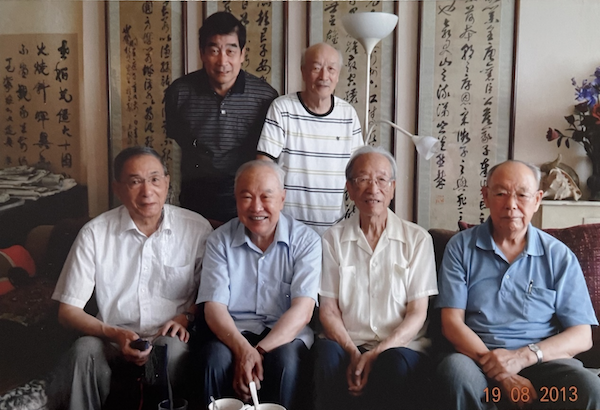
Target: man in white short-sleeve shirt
point(378, 274)
point(143, 261)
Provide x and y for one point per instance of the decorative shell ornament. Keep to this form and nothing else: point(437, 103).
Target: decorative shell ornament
point(558, 184)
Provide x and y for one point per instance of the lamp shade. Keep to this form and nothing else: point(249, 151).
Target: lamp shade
point(369, 28)
point(427, 147)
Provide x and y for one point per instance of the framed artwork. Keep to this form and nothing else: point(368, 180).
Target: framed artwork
point(145, 55)
point(465, 100)
point(265, 36)
point(325, 25)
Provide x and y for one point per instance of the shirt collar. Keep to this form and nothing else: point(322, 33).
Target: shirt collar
point(282, 232)
point(238, 87)
point(486, 241)
point(127, 224)
point(393, 228)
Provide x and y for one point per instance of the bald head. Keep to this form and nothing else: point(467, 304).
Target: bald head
point(321, 47)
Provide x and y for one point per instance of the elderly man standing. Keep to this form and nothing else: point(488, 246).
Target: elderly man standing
point(216, 114)
point(378, 274)
point(312, 135)
point(142, 260)
point(259, 280)
point(515, 306)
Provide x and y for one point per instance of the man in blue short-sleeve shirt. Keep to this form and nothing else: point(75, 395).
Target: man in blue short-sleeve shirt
point(259, 282)
point(515, 306)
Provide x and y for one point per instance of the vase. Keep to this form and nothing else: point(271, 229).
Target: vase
point(593, 182)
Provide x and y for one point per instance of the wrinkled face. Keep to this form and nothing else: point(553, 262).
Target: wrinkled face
point(143, 187)
point(321, 71)
point(222, 59)
point(512, 195)
point(371, 187)
point(259, 198)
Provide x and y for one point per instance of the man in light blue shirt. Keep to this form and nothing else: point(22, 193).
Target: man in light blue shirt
point(515, 306)
point(259, 283)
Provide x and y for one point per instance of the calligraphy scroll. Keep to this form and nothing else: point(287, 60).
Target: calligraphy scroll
point(145, 51)
point(40, 102)
point(465, 100)
point(264, 22)
point(326, 26)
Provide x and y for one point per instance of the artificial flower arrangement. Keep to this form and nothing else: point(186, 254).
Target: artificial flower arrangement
point(585, 124)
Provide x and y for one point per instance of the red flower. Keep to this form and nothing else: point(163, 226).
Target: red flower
point(596, 113)
point(552, 135)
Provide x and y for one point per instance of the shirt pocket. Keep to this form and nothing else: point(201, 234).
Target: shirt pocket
point(285, 296)
point(177, 282)
point(399, 278)
point(539, 305)
point(347, 288)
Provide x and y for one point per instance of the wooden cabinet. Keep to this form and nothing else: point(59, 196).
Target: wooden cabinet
point(562, 214)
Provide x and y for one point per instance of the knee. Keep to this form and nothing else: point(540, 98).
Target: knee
point(287, 356)
point(399, 361)
point(457, 370)
point(214, 355)
point(87, 348)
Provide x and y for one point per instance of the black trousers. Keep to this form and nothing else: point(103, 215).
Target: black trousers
point(214, 370)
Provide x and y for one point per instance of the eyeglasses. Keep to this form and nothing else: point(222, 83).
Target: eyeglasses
point(382, 183)
point(502, 195)
point(136, 183)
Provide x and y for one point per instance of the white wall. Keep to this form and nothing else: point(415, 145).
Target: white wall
point(557, 41)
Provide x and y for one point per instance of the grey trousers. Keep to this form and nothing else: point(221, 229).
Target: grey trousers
point(82, 379)
point(559, 384)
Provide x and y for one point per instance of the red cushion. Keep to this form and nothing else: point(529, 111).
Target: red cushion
point(584, 241)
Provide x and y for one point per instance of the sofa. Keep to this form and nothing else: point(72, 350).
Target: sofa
point(28, 316)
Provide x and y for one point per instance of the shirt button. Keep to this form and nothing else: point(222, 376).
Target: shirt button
point(223, 112)
point(375, 328)
point(507, 276)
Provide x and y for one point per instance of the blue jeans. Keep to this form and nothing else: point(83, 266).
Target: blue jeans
point(397, 379)
point(463, 385)
point(281, 366)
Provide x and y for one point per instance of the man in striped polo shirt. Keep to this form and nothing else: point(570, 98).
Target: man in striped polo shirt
point(215, 115)
point(312, 135)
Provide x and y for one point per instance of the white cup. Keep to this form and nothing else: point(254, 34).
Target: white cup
point(266, 406)
point(227, 404)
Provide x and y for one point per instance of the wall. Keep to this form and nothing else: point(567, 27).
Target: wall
point(556, 42)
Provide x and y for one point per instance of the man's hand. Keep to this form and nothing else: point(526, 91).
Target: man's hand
point(248, 367)
point(518, 387)
point(123, 338)
point(499, 362)
point(176, 328)
point(358, 371)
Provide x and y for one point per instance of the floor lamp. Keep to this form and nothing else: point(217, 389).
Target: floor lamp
point(368, 29)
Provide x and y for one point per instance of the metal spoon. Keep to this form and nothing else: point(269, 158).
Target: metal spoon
point(214, 403)
point(254, 395)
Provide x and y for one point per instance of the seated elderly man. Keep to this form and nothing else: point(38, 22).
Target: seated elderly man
point(515, 306)
point(259, 280)
point(378, 274)
point(142, 260)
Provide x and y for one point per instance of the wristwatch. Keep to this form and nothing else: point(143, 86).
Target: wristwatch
point(190, 317)
point(538, 352)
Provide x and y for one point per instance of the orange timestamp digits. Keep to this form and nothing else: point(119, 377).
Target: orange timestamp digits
point(550, 394)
